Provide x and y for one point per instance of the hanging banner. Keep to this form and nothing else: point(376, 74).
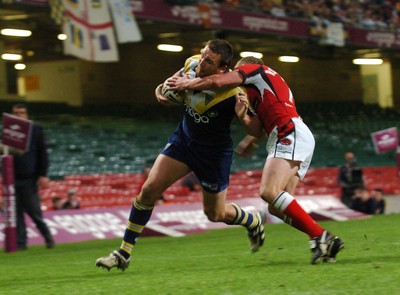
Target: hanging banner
point(385, 140)
point(89, 31)
point(125, 23)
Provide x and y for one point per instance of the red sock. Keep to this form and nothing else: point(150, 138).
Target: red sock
point(299, 218)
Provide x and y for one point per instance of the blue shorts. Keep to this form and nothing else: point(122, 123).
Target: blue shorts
point(211, 164)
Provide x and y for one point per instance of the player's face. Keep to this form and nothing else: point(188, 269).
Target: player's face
point(209, 63)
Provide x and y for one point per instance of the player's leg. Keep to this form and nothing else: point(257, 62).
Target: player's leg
point(277, 174)
point(32, 208)
point(217, 210)
point(164, 172)
point(279, 180)
point(21, 225)
point(284, 205)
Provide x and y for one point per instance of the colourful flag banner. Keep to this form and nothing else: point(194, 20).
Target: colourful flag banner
point(385, 140)
point(89, 31)
point(124, 21)
point(57, 13)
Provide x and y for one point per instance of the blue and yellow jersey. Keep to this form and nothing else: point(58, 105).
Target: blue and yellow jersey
point(208, 113)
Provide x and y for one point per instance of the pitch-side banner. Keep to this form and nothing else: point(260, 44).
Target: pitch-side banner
point(169, 220)
point(89, 31)
point(385, 140)
point(16, 132)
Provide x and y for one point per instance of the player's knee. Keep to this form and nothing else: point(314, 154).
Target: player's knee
point(213, 215)
point(268, 192)
point(149, 194)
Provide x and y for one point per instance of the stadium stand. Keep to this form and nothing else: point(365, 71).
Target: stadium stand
point(101, 157)
point(377, 15)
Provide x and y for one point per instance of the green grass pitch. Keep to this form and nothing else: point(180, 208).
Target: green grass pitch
point(217, 262)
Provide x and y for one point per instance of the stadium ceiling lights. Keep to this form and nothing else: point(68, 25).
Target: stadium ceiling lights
point(169, 47)
point(367, 61)
point(20, 66)
point(62, 37)
point(251, 53)
point(288, 58)
point(11, 56)
point(16, 32)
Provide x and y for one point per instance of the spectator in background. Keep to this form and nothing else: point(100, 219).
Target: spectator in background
point(31, 173)
point(350, 177)
point(72, 201)
point(362, 201)
point(377, 195)
point(57, 203)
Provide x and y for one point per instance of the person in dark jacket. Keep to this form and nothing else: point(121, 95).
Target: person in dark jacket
point(363, 201)
point(377, 194)
point(30, 171)
point(350, 177)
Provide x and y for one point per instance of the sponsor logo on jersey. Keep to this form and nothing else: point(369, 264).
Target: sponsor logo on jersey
point(198, 118)
point(285, 141)
point(212, 114)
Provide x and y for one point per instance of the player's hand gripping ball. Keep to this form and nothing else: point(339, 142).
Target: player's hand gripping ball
point(174, 96)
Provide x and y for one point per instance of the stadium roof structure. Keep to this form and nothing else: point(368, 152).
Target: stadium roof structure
point(43, 44)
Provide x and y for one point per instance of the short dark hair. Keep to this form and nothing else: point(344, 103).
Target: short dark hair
point(250, 60)
point(222, 47)
point(20, 106)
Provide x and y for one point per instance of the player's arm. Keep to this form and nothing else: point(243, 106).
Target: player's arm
point(160, 98)
point(248, 118)
point(229, 79)
point(254, 128)
point(246, 146)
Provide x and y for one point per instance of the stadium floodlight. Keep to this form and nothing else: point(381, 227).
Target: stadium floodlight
point(16, 32)
point(62, 37)
point(251, 53)
point(367, 61)
point(20, 66)
point(288, 58)
point(11, 56)
point(169, 47)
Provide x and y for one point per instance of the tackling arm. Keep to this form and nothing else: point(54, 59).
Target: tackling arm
point(229, 79)
point(251, 122)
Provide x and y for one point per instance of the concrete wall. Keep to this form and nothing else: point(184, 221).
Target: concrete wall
point(58, 81)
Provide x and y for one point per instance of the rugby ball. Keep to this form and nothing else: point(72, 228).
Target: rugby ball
point(174, 96)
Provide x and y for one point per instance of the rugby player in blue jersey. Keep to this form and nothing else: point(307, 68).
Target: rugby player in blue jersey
point(201, 143)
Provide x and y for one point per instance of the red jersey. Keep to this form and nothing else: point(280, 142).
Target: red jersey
point(270, 97)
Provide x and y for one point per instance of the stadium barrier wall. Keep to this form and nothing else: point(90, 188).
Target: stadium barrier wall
point(167, 220)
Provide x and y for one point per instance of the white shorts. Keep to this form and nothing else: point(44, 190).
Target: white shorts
point(297, 146)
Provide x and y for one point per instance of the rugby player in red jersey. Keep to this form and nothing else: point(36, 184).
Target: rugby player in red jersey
point(290, 144)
